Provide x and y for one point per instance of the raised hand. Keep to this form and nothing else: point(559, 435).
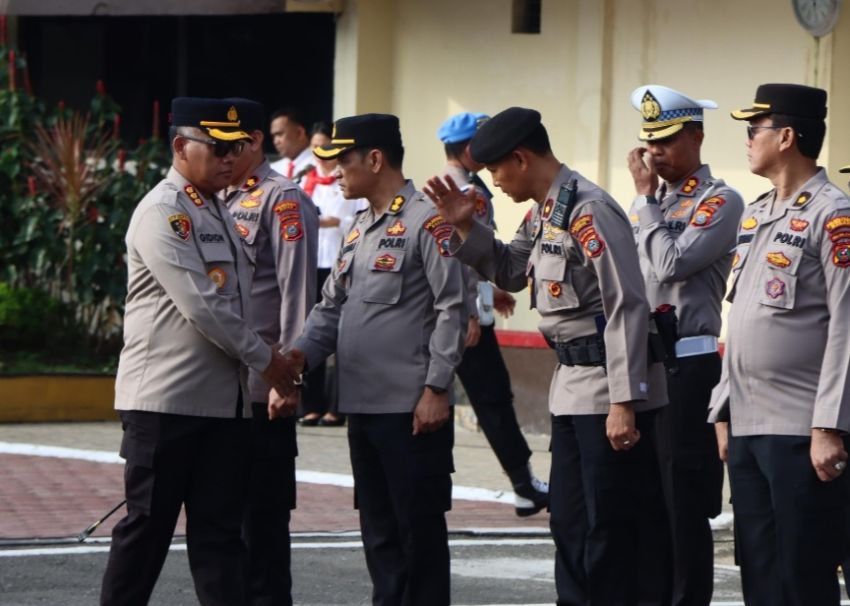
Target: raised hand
point(644, 174)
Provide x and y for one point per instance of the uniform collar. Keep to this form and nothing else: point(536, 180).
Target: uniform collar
point(402, 198)
point(564, 176)
point(184, 185)
point(256, 177)
point(803, 196)
point(692, 185)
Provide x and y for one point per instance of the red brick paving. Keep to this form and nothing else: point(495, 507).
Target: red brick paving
point(44, 497)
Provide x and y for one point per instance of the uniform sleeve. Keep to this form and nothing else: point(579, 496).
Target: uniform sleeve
point(604, 236)
point(178, 267)
point(445, 277)
point(506, 265)
point(293, 236)
point(319, 338)
point(709, 235)
point(832, 404)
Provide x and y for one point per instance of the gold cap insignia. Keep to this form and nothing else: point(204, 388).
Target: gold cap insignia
point(650, 109)
point(232, 115)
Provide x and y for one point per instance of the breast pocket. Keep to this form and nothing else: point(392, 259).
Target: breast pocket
point(778, 276)
point(218, 261)
point(384, 280)
point(554, 290)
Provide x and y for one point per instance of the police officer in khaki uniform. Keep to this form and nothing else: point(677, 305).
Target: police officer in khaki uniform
point(279, 226)
point(393, 310)
point(685, 223)
point(787, 363)
point(574, 248)
point(183, 369)
point(482, 371)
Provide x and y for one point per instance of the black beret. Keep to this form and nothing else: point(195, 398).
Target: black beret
point(252, 114)
point(217, 117)
point(788, 99)
point(503, 133)
point(365, 130)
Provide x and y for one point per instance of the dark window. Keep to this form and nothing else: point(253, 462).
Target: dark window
point(526, 17)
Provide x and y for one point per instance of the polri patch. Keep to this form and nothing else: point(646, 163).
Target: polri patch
point(291, 230)
point(592, 244)
point(442, 232)
point(285, 205)
point(841, 255)
point(580, 223)
point(181, 225)
point(842, 221)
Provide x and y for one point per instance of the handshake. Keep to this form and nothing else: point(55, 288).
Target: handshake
point(284, 374)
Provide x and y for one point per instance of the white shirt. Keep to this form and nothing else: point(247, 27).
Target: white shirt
point(331, 203)
point(299, 164)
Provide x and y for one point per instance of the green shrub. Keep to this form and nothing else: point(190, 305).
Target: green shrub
point(32, 319)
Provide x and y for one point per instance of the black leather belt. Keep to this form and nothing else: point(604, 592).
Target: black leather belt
point(582, 351)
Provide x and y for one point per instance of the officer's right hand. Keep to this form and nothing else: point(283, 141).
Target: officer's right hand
point(721, 430)
point(284, 372)
point(503, 302)
point(455, 206)
point(642, 167)
point(620, 426)
point(827, 451)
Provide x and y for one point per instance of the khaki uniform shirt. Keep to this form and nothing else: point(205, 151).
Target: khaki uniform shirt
point(786, 368)
point(685, 246)
point(279, 225)
point(580, 278)
point(393, 309)
point(186, 325)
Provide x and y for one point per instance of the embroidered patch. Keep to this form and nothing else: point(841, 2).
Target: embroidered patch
point(749, 223)
point(396, 204)
point(592, 244)
point(778, 259)
point(550, 232)
point(480, 206)
point(291, 230)
point(386, 262)
point(841, 255)
point(686, 203)
point(580, 223)
point(251, 182)
point(775, 288)
point(555, 289)
point(256, 193)
point(181, 225)
point(679, 213)
point(285, 205)
point(352, 236)
point(802, 199)
point(243, 231)
point(194, 196)
point(218, 276)
point(397, 228)
point(799, 224)
point(249, 203)
point(690, 185)
point(547, 208)
point(441, 230)
point(706, 210)
point(836, 223)
point(715, 201)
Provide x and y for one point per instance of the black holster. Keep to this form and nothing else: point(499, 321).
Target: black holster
point(582, 351)
point(662, 340)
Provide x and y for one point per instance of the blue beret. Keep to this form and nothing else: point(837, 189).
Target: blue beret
point(503, 133)
point(461, 127)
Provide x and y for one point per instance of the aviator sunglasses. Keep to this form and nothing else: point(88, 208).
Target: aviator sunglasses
point(220, 148)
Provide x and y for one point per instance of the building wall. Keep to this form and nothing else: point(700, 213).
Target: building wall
point(427, 60)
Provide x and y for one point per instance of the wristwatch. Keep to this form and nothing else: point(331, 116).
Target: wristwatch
point(437, 390)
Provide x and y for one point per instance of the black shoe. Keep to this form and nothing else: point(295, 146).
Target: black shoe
point(309, 422)
point(331, 422)
point(531, 497)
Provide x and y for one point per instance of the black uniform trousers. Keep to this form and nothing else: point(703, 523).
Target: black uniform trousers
point(270, 495)
point(175, 460)
point(790, 527)
point(485, 378)
point(402, 489)
point(691, 476)
point(599, 504)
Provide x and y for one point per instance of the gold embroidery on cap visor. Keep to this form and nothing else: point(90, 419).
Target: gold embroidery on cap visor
point(654, 131)
point(748, 114)
point(336, 147)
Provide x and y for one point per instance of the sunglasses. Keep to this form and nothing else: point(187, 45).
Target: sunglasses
point(752, 131)
point(221, 148)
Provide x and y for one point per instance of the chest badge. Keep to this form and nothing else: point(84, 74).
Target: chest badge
point(385, 262)
point(352, 236)
point(249, 203)
point(397, 228)
point(799, 224)
point(547, 208)
point(750, 223)
point(217, 275)
point(555, 289)
point(243, 231)
point(775, 288)
point(778, 259)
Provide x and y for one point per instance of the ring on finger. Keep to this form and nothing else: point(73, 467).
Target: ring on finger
point(839, 467)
